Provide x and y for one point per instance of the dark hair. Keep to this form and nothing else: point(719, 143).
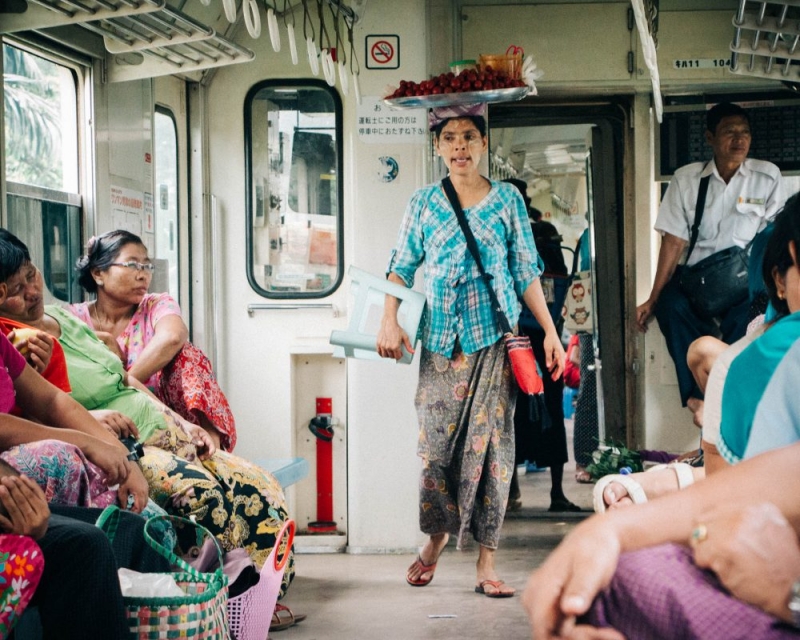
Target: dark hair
point(100, 253)
point(534, 214)
point(776, 255)
point(13, 254)
point(723, 110)
point(478, 121)
point(545, 231)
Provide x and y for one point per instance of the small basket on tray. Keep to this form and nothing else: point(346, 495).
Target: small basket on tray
point(509, 63)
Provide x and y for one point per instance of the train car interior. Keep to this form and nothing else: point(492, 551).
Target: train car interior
point(251, 146)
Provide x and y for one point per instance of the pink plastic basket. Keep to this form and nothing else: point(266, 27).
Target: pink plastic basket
point(250, 614)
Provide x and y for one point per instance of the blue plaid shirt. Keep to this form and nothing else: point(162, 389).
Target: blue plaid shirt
point(458, 301)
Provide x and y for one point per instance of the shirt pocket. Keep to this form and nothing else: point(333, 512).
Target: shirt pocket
point(749, 218)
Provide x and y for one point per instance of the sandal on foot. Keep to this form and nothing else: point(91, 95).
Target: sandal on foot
point(635, 492)
point(634, 489)
point(423, 568)
point(582, 476)
point(283, 618)
point(562, 505)
point(497, 584)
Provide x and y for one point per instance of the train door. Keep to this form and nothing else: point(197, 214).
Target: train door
point(571, 157)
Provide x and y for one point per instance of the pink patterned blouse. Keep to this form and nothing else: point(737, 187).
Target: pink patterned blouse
point(140, 329)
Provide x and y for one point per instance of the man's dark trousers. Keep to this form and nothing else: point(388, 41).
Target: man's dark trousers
point(681, 326)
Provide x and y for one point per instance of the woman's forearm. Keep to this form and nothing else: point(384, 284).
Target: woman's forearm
point(170, 336)
point(535, 300)
point(141, 386)
point(15, 431)
point(51, 406)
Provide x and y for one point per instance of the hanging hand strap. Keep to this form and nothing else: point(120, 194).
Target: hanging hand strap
point(452, 196)
point(698, 212)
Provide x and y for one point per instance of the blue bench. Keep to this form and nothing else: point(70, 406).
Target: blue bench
point(287, 471)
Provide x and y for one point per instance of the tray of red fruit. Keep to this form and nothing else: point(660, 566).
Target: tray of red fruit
point(468, 87)
point(462, 97)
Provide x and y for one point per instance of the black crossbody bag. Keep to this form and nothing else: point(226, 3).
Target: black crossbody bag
point(719, 282)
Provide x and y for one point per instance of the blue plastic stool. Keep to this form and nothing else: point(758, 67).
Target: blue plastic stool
point(569, 401)
point(359, 340)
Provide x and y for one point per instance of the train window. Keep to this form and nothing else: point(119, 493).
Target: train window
point(41, 122)
point(166, 217)
point(44, 204)
point(293, 142)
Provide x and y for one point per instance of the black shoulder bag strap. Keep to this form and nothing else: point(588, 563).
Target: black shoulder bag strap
point(452, 196)
point(575, 257)
point(698, 213)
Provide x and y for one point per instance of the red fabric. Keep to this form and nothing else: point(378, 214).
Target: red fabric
point(523, 364)
point(187, 385)
point(56, 371)
point(572, 372)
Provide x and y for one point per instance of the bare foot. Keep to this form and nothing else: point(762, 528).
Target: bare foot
point(695, 405)
point(582, 476)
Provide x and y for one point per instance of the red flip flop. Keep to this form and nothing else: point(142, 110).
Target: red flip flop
point(496, 594)
point(424, 568)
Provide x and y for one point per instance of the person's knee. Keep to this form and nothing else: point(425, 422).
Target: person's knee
point(703, 351)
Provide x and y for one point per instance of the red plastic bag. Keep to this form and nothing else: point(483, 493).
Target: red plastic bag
point(523, 364)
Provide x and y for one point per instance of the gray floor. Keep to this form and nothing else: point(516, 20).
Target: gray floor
point(366, 596)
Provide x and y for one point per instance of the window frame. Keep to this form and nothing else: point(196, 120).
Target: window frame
point(82, 69)
point(293, 83)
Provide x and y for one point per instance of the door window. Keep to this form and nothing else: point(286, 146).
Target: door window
point(294, 188)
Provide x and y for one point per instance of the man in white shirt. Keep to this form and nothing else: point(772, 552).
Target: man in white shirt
point(743, 196)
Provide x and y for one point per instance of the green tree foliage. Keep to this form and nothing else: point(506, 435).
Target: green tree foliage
point(32, 119)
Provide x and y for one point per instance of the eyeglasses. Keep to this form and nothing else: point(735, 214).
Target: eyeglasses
point(137, 266)
point(469, 138)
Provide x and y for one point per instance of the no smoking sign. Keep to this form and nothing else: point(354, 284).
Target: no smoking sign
point(382, 52)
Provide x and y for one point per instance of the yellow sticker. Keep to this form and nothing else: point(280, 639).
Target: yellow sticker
point(743, 200)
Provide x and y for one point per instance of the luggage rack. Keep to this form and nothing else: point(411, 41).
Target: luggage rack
point(145, 38)
point(42, 14)
point(185, 57)
point(765, 41)
point(164, 28)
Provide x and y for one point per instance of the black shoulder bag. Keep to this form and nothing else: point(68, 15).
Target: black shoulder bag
point(520, 353)
point(719, 282)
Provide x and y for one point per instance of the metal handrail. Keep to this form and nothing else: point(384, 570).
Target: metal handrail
point(268, 306)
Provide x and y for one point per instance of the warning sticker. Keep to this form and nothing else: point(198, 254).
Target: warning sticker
point(382, 52)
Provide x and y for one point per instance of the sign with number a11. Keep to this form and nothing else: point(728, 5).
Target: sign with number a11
point(701, 63)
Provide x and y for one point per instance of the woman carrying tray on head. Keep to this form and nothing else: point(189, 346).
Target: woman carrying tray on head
point(465, 395)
